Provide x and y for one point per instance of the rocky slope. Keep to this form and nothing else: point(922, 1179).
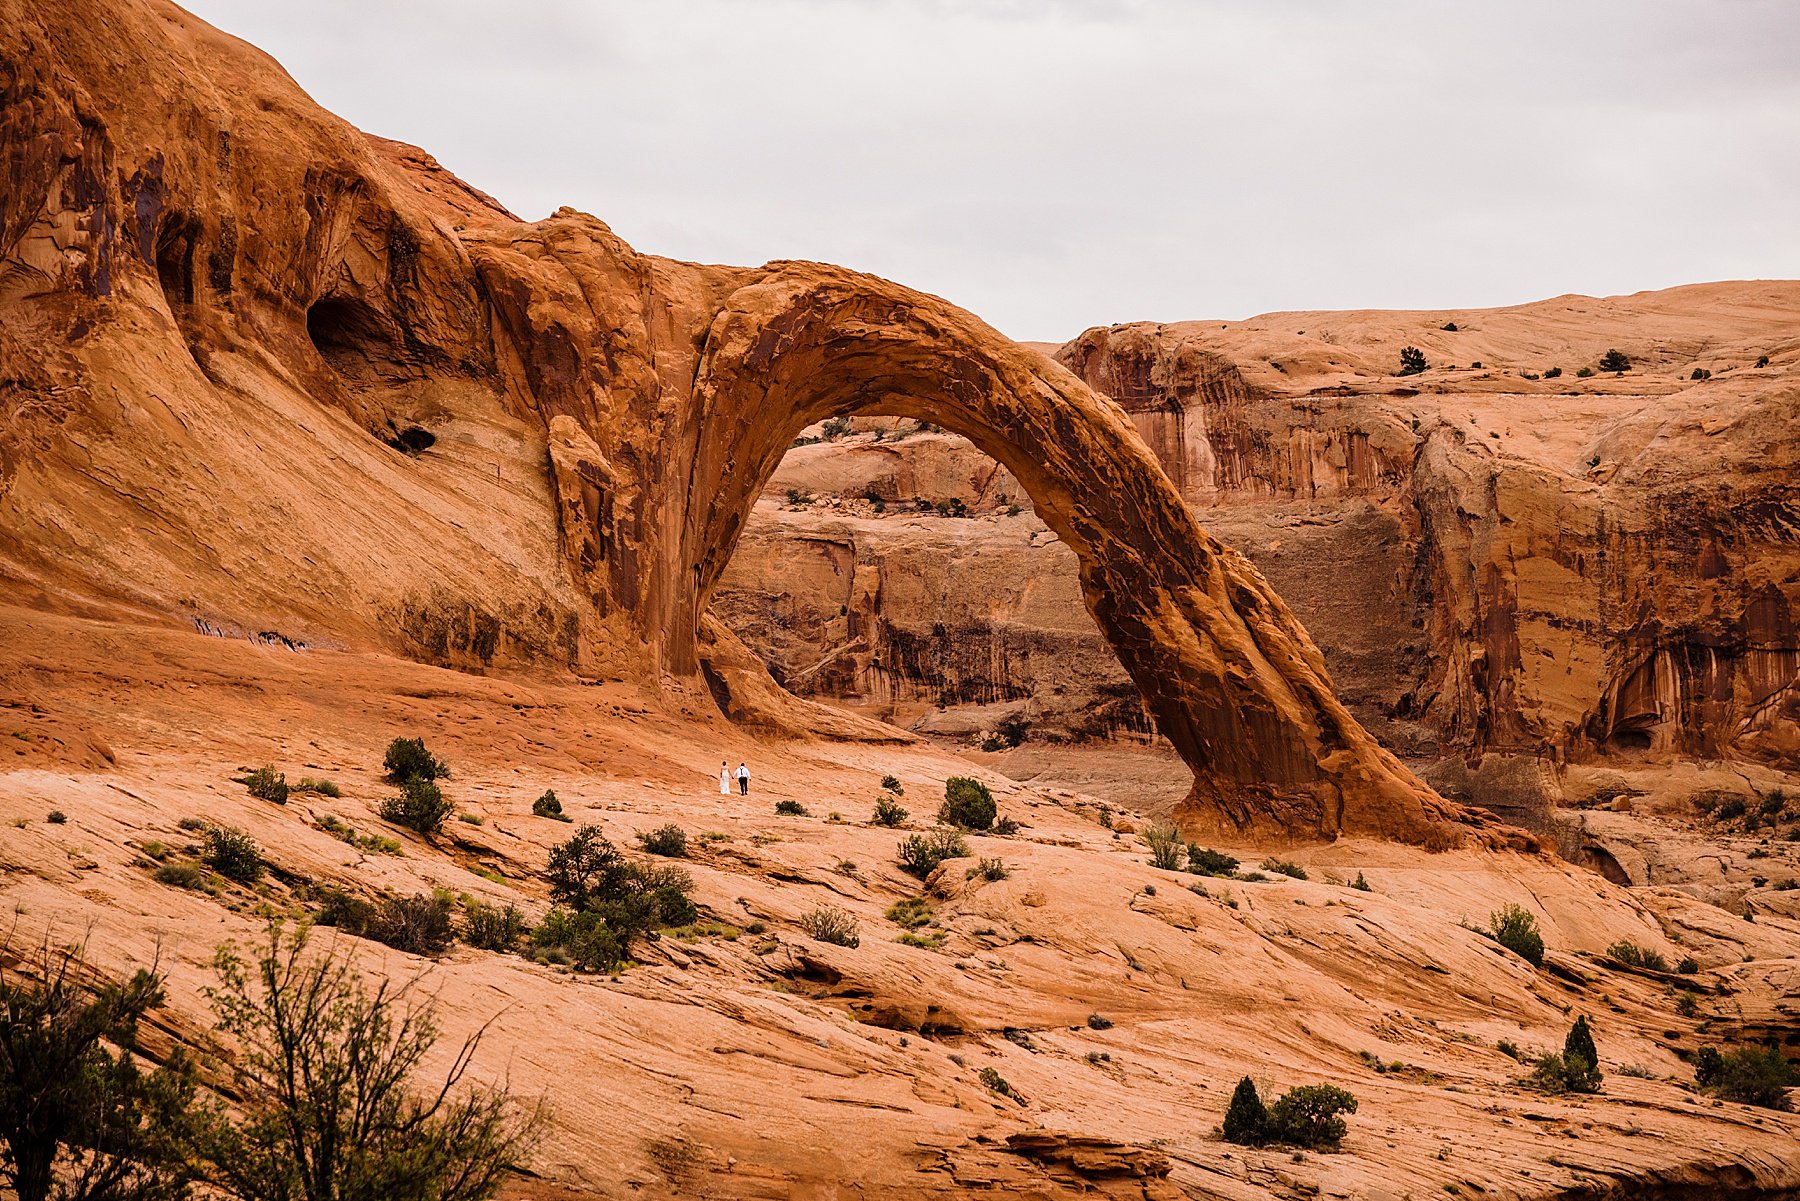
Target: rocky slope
point(1501, 569)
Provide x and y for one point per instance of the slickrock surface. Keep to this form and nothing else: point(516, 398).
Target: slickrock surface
point(1504, 574)
point(739, 1064)
point(267, 374)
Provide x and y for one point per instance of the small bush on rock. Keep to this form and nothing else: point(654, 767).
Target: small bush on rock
point(418, 925)
point(967, 803)
point(1575, 1070)
point(1166, 847)
point(1631, 955)
point(888, 812)
point(669, 840)
point(1615, 361)
point(407, 759)
point(548, 806)
point(830, 924)
point(1285, 867)
point(893, 785)
point(267, 784)
point(989, 869)
point(790, 809)
point(1412, 360)
point(492, 927)
point(1748, 1075)
point(1307, 1116)
point(1514, 928)
point(1204, 861)
point(420, 806)
point(344, 911)
point(920, 854)
point(233, 854)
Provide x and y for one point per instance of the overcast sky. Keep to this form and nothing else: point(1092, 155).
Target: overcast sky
point(1058, 164)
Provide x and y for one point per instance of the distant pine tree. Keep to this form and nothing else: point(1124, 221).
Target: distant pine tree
point(1580, 1044)
point(1412, 360)
point(1246, 1118)
point(1614, 360)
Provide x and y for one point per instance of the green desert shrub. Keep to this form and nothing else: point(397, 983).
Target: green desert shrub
point(407, 759)
point(989, 869)
point(548, 806)
point(920, 854)
point(888, 812)
point(912, 912)
point(420, 806)
point(492, 927)
point(1166, 847)
point(418, 925)
point(185, 874)
point(790, 809)
point(996, 1083)
point(893, 785)
point(1513, 927)
point(232, 853)
point(343, 910)
point(1584, 373)
point(1615, 361)
point(830, 924)
point(1308, 1116)
point(1631, 955)
point(1246, 1117)
point(1412, 360)
point(1748, 1075)
point(319, 785)
point(267, 784)
point(589, 875)
point(1204, 861)
point(1575, 1070)
point(967, 803)
point(1360, 884)
point(1285, 867)
point(1688, 965)
point(669, 840)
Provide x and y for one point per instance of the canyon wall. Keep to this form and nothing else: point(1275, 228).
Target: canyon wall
point(1505, 568)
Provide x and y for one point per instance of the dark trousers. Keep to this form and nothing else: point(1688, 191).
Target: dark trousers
point(743, 785)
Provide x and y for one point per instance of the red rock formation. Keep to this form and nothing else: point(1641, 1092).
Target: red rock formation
point(270, 374)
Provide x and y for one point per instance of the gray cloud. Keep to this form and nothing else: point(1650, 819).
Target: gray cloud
point(1065, 163)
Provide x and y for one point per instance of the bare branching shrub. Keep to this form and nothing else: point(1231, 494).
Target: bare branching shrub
point(830, 924)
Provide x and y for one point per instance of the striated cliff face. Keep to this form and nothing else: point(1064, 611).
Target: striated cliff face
point(1498, 569)
point(267, 375)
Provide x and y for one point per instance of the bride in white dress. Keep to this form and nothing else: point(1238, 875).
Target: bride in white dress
point(724, 779)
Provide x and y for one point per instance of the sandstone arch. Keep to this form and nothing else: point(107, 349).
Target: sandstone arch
point(1233, 679)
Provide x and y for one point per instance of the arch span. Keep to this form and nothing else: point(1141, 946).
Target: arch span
point(1233, 679)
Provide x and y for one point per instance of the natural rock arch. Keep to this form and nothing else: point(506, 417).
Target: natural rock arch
point(1232, 678)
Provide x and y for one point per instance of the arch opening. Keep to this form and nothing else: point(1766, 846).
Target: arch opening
point(892, 569)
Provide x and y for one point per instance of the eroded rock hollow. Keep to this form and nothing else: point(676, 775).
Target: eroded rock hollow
point(231, 321)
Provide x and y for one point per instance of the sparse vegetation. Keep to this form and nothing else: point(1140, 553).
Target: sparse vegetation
point(1615, 361)
point(888, 811)
point(669, 841)
point(911, 913)
point(614, 900)
point(233, 854)
point(328, 1102)
point(418, 925)
point(1285, 867)
point(1553, 373)
point(1631, 955)
point(321, 786)
point(1584, 373)
point(344, 911)
point(1204, 861)
point(1748, 1075)
point(920, 854)
point(989, 869)
point(892, 784)
point(1006, 827)
point(79, 1117)
point(185, 874)
point(1166, 847)
point(548, 806)
point(407, 759)
point(967, 803)
point(830, 924)
point(1575, 1070)
point(996, 1083)
point(267, 784)
point(790, 809)
point(1412, 360)
point(1700, 373)
point(1688, 966)
point(1360, 884)
point(492, 927)
point(56, 817)
point(1514, 927)
point(420, 806)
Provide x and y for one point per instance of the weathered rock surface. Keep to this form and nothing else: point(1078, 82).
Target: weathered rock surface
point(267, 374)
point(1504, 574)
